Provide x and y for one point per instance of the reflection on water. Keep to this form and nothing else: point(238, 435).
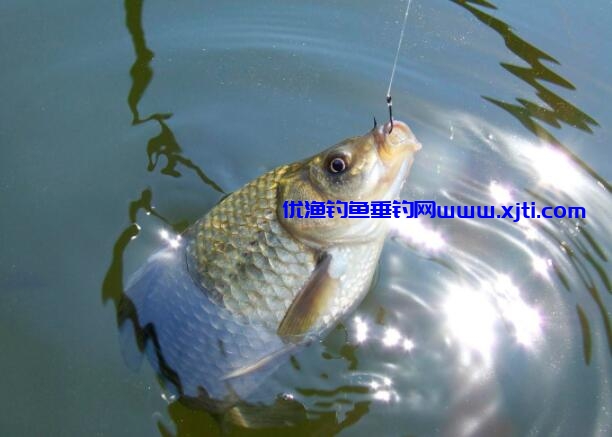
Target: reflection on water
point(468, 331)
point(552, 108)
point(164, 144)
point(112, 287)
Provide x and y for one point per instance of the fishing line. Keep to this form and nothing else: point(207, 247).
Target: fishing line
point(399, 46)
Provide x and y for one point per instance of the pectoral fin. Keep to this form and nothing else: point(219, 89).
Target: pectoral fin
point(259, 364)
point(311, 302)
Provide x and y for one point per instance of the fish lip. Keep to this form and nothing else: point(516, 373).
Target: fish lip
point(393, 139)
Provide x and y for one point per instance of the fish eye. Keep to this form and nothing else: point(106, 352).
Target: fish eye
point(337, 164)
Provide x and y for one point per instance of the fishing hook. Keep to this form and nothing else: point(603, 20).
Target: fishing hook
point(375, 123)
point(390, 106)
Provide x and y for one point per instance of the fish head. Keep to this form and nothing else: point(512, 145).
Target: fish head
point(366, 168)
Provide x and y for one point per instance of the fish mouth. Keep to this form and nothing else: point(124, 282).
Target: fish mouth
point(395, 141)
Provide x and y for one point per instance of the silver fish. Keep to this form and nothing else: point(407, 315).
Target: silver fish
point(247, 286)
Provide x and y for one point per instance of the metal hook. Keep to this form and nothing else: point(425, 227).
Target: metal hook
point(375, 123)
point(390, 106)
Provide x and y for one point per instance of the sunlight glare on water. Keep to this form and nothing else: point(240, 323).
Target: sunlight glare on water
point(471, 321)
point(553, 168)
point(174, 241)
point(500, 193)
point(415, 231)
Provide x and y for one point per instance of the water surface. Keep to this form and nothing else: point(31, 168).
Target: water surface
point(120, 120)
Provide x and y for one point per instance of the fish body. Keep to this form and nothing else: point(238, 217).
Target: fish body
point(248, 286)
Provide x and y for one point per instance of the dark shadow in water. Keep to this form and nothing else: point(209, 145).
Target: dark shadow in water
point(191, 422)
point(553, 109)
point(581, 248)
point(164, 144)
point(141, 71)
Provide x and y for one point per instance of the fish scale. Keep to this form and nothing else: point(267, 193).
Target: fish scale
point(242, 232)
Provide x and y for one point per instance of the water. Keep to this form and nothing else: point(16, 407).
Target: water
point(473, 327)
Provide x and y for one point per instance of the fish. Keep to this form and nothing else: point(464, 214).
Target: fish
point(246, 285)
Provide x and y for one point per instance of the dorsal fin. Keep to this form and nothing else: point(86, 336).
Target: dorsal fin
point(310, 302)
